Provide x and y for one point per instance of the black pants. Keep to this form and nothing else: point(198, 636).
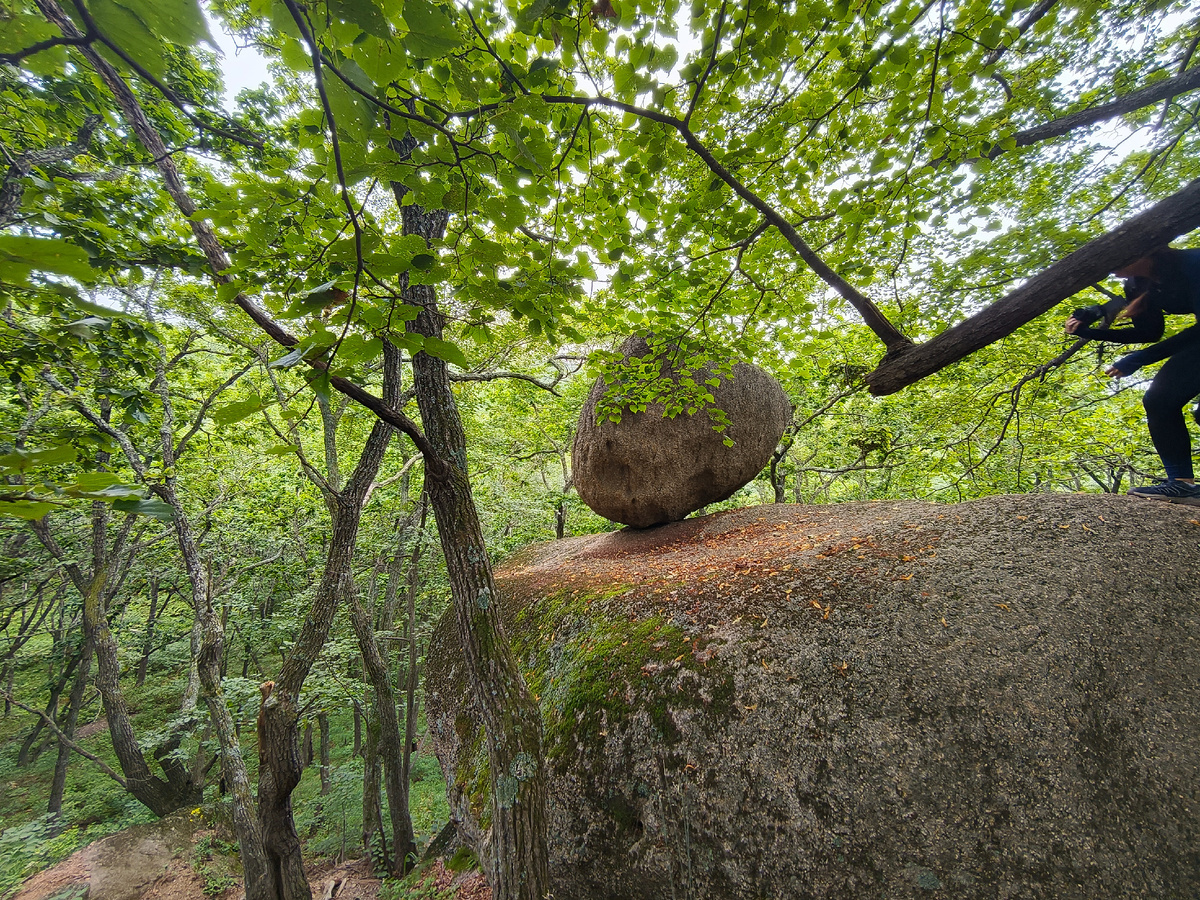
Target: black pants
point(1177, 382)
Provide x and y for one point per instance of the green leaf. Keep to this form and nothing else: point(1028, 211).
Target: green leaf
point(21, 254)
point(431, 31)
point(151, 506)
point(358, 348)
point(363, 13)
point(238, 410)
point(22, 460)
point(309, 302)
point(128, 30)
point(319, 382)
point(445, 350)
point(94, 481)
point(281, 450)
point(413, 343)
point(112, 492)
point(30, 510)
point(178, 21)
point(288, 360)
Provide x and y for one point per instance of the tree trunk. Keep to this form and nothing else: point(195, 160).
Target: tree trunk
point(325, 749)
point(279, 744)
point(68, 725)
point(387, 729)
point(357, 750)
point(306, 744)
point(148, 640)
point(259, 884)
point(26, 754)
point(161, 797)
point(374, 842)
point(410, 689)
point(516, 859)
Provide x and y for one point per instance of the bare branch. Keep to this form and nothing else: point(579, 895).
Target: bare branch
point(1028, 22)
point(1131, 102)
point(66, 741)
point(13, 188)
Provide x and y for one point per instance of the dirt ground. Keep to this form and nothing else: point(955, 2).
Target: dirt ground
point(153, 862)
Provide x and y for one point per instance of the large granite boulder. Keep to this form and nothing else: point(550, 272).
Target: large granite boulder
point(647, 469)
point(995, 699)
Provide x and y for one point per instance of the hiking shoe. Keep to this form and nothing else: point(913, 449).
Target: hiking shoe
point(1170, 491)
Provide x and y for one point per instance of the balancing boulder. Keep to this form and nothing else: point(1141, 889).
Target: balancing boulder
point(647, 469)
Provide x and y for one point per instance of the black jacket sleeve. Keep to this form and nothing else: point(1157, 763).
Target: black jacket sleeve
point(1142, 329)
point(1130, 363)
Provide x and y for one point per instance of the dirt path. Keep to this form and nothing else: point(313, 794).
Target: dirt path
point(156, 862)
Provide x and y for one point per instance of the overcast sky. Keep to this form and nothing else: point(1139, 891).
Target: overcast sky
point(242, 67)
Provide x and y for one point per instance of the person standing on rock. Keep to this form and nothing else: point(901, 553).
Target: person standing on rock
point(1165, 281)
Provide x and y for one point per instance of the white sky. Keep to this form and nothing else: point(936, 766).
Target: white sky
point(242, 67)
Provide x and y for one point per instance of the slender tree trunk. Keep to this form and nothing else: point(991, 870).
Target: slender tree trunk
point(9, 673)
point(516, 859)
point(279, 744)
point(148, 640)
point(374, 842)
point(387, 727)
point(161, 797)
point(325, 749)
point(358, 731)
point(258, 882)
point(26, 754)
point(306, 744)
point(68, 725)
point(410, 689)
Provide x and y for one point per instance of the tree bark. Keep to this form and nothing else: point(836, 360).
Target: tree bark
point(158, 795)
point(374, 841)
point(68, 725)
point(410, 689)
point(387, 729)
point(148, 641)
point(279, 745)
point(1166, 220)
point(27, 753)
point(324, 751)
point(516, 859)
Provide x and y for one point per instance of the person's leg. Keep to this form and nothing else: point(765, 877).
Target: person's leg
point(1177, 382)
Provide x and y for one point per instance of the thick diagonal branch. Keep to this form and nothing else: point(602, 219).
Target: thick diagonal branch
point(1176, 215)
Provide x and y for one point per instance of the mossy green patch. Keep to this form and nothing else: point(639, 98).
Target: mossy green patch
point(592, 666)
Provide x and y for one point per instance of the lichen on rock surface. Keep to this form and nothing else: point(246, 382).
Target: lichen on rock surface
point(990, 699)
point(651, 467)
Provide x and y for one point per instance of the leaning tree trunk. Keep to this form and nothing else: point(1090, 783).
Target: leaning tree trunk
point(67, 726)
point(390, 741)
point(516, 859)
point(373, 838)
point(159, 796)
point(280, 764)
point(148, 640)
point(259, 884)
